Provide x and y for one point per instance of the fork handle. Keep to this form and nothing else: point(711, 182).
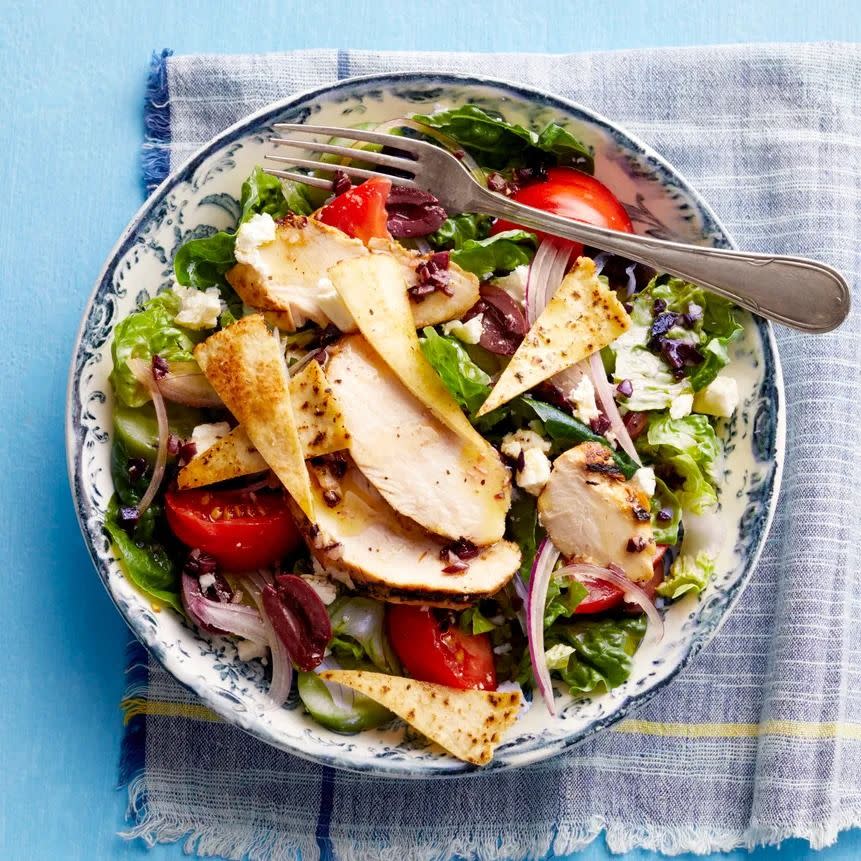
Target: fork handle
point(801, 293)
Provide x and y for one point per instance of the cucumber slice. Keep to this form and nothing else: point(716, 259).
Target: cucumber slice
point(364, 714)
point(137, 427)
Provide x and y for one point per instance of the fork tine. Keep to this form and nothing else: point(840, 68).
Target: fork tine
point(314, 181)
point(403, 144)
point(348, 169)
point(349, 152)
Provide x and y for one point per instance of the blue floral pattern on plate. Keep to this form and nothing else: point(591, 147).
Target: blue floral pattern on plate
point(199, 198)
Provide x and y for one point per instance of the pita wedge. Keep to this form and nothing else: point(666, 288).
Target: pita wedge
point(373, 289)
point(468, 723)
point(245, 365)
point(319, 422)
point(582, 317)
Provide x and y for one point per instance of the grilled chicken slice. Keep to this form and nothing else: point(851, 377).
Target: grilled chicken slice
point(425, 471)
point(282, 271)
point(357, 535)
point(593, 515)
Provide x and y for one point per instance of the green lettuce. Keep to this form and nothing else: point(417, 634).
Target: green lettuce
point(457, 229)
point(358, 628)
point(665, 532)
point(563, 598)
point(602, 651)
point(689, 447)
point(496, 255)
point(496, 143)
point(524, 530)
point(147, 565)
point(473, 621)
point(688, 574)
point(469, 385)
point(146, 333)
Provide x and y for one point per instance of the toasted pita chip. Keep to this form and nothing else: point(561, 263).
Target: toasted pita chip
point(318, 420)
point(232, 456)
point(373, 288)
point(245, 366)
point(583, 316)
point(468, 723)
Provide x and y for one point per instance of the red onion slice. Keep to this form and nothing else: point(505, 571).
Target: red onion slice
point(282, 668)
point(342, 696)
point(633, 593)
point(608, 404)
point(146, 378)
point(220, 618)
point(184, 383)
point(539, 580)
point(545, 275)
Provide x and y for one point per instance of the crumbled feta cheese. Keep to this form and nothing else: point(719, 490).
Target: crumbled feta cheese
point(502, 649)
point(206, 580)
point(718, 398)
point(206, 436)
point(523, 441)
point(199, 308)
point(258, 230)
point(333, 306)
point(248, 650)
point(535, 473)
point(557, 656)
point(681, 406)
point(583, 398)
point(645, 477)
point(468, 332)
point(514, 283)
point(323, 586)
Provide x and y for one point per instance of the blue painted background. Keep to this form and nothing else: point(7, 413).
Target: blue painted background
point(71, 84)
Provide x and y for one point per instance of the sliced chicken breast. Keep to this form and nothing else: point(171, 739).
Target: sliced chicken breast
point(452, 487)
point(359, 538)
point(282, 271)
point(593, 515)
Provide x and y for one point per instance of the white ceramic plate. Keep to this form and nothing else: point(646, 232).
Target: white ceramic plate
point(200, 197)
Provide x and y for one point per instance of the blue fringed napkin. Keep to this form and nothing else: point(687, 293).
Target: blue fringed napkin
point(760, 739)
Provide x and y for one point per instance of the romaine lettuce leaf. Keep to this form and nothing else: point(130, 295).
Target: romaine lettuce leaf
point(690, 448)
point(665, 532)
point(563, 598)
point(497, 254)
point(469, 385)
point(687, 574)
point(359, 630)
point(496, 144)
point(457, 229)
point(144, 334)
point(524, 530)
point(148, 566)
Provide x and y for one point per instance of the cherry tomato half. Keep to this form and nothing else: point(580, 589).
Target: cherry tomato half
point(430, 654)
point(241, 532)
point(605, 596)
point(573, 194)
point(361, 211)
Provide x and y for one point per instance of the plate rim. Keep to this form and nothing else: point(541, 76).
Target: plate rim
point(707, 630)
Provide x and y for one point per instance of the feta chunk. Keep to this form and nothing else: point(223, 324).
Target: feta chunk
point(582, 396)
point(469, 332)
point(681, 406)
point(523, 441)
point(258, 230)
point(333, 306)
point(718, 398)
point(199, 308)
point(206, 580)
point(514, 283)
point(326, 590)
point(535, 473)
point(248, 650)
point(206, 436)
point(645, 478)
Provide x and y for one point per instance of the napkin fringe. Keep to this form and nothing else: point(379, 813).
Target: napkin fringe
point(155, 152)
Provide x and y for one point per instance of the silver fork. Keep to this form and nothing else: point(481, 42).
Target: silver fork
point(805, 294)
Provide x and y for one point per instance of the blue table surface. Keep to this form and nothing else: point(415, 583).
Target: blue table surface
point(72, 77)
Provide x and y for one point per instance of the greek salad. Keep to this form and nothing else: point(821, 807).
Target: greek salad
point(423, 465)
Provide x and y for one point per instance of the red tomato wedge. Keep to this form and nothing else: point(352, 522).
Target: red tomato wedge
point(575, 195)
point(430, 654)
point(605, 596)
point(241, 532)
point(361, 211)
